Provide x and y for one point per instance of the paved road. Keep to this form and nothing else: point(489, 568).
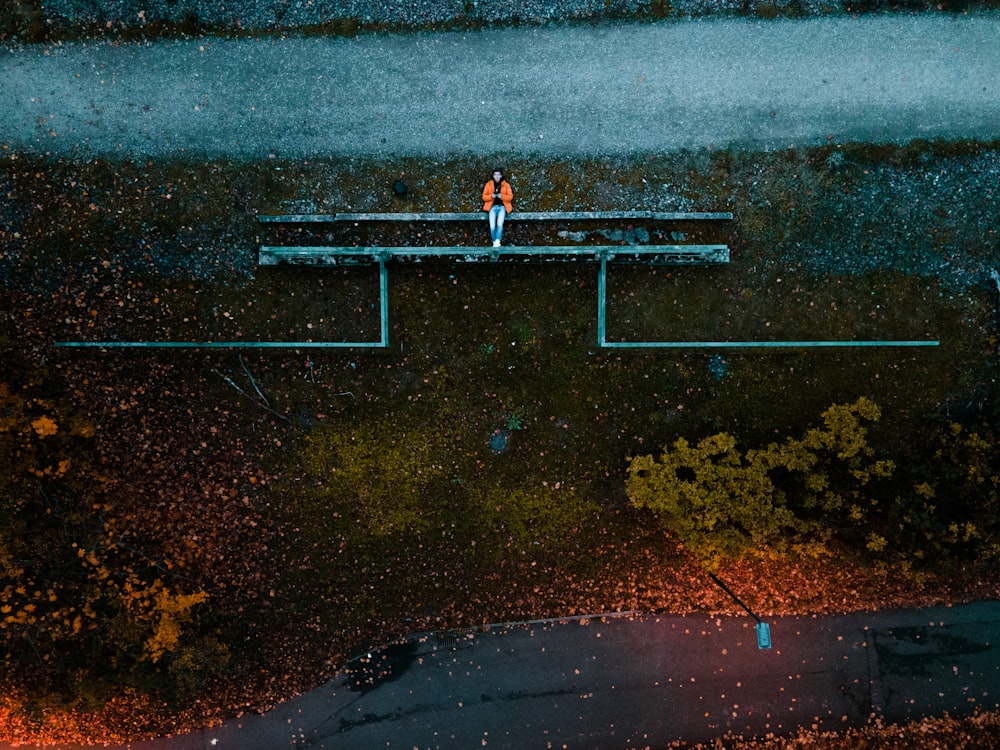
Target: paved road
point(630, 681)
point(563, 90)
point(637, 681)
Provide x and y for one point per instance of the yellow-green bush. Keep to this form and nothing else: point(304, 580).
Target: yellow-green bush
point(722, 502)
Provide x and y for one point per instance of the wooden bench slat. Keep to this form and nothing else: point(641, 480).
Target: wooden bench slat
point(481, 216)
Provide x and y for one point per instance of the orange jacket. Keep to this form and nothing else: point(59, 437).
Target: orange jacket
point(506, 195)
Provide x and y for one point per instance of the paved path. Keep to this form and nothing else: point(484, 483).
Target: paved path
point(630, 681)
point(565, 90)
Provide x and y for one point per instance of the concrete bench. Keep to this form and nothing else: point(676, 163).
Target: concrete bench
point(629, 252)
point(481, 216)
point(328, 255)
point(316, 255)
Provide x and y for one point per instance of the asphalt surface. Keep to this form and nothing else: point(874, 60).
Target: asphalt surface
point(629, 681)
point(565, 90)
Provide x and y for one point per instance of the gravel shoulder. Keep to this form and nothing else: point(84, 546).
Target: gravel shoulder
point(37, 19)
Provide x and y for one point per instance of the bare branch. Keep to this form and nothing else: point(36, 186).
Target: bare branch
point(252, 381)
point(266, 407)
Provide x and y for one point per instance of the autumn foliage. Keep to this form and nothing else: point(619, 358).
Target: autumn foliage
point(86, 601)
point(723, 503)
point(829, 487)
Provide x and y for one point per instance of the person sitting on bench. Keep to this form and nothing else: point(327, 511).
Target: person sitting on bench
point(497, 197)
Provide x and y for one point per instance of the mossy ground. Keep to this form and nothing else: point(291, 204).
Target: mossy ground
point(822, 249)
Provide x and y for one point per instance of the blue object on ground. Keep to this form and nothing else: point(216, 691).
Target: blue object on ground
point(718, 366)
point(763, 635)
point(498, 441)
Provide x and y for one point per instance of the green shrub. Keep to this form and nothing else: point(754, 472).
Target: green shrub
point(829, 486)
point(723, 503)
point(715, 501)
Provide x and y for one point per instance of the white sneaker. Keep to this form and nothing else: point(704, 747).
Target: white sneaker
point(496, 243)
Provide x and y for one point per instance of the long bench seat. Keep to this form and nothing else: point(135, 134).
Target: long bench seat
point(481, 216)
point(270, 255)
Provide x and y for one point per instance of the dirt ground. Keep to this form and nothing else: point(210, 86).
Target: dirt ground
point(227, 462)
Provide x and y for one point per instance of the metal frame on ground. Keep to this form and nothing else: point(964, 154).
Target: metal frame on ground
point(382, 343)
point(602, 337)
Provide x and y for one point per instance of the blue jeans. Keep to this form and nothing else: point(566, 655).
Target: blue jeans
point(497, 215)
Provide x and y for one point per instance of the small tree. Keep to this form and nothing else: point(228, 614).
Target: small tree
point(716, 502)
point(722, 503)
